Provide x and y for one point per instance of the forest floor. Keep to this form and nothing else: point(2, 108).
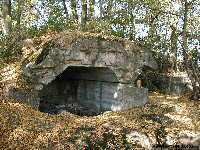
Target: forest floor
point(166, 121)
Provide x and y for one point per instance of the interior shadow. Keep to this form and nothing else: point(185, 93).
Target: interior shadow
point(79, 90)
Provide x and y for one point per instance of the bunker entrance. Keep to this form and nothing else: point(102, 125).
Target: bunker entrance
point(80, 90)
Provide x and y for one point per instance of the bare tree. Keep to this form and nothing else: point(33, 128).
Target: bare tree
point(74, 9)
point(20, 4)
point(109, 9)
point(101, 2)
point(84, 15)
point(192, 70)
point(91, 9)
point(6, 16)
point(65, 9)
point(174, 46)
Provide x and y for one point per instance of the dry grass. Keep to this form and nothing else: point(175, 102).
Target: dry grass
point(22, 127)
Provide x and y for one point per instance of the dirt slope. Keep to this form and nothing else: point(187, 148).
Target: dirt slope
point(165, 120)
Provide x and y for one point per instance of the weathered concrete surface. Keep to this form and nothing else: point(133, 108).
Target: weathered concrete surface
point(124, 58)
point(174, 84)
point(95, 96)
point(96, 89)
point(106, 64)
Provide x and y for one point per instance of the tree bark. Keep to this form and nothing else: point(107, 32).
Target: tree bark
point(174, 47)
point(185, 39)
point(91, 9)
point(84, 15)
point(6, 16)
point(192, 72)
point(101, 8)
point(74, 10)
point(20, 4)
point(109, 9)
point(132, 21)
point(65, 9)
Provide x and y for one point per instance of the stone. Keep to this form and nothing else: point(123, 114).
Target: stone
point(94, 72)
point(189, 138)
point(176, 85)
point(139, 139)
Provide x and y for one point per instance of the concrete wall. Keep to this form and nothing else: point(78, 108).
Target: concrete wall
point(96, 95)
point(124, 58)
point(44, 62)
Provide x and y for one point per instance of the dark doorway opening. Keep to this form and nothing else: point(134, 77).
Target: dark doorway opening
point(79, 90)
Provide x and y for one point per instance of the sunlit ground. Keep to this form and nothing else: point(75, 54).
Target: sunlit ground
point(164, 120)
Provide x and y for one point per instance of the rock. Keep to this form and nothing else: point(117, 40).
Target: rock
point(139, 139)
point(175, 84)
point(189, 138)
point(93, 52)
point(88, 69)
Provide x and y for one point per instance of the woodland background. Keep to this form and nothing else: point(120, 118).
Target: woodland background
point(170, 28)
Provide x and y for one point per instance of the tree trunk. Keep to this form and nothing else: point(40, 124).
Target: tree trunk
point(174, 47)
point(132, 21)
point(65, 9)
point(109, 9)
point(6, 16)
point(84, 15)
point(19, 12)
point(185, 39)
point(192, 72)
point(74, 10)
point(91, 9)
point(101, 8)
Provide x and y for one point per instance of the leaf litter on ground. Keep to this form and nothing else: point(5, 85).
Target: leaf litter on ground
point(164, 120)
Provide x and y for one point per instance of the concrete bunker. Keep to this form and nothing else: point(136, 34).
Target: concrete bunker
point(84, 73)
point(87, 91)
point(81, 90)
